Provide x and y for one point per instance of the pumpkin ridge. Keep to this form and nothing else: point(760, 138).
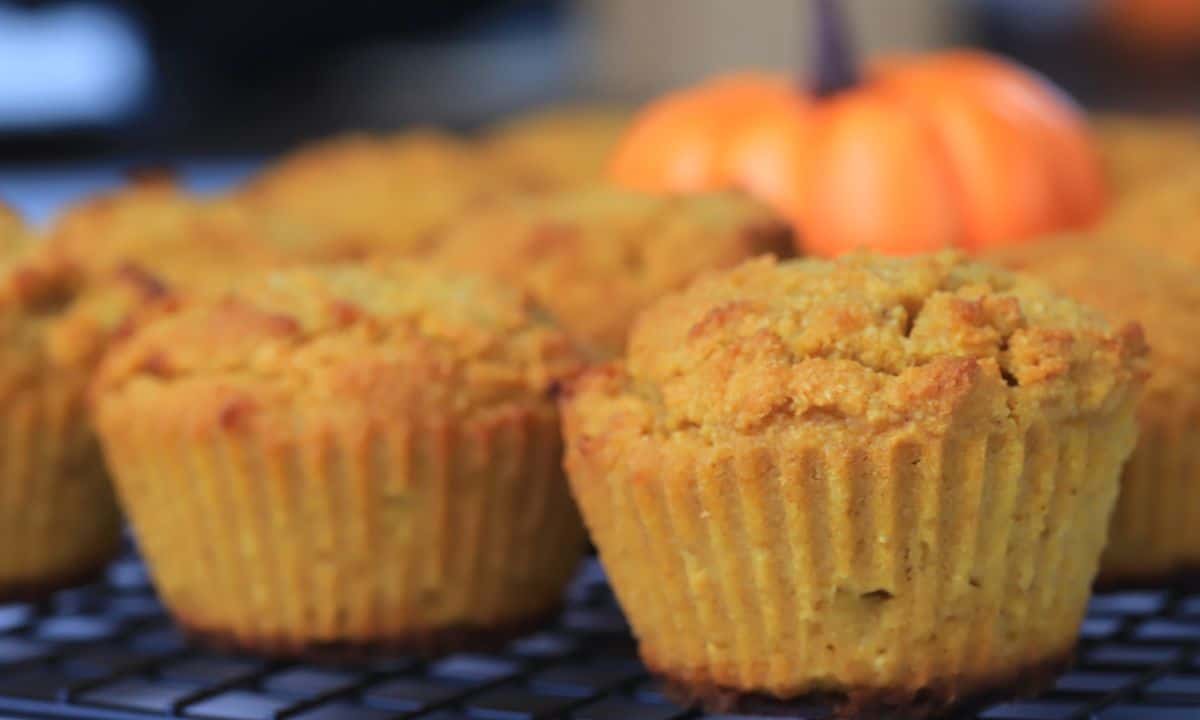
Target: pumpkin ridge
point(952, 176)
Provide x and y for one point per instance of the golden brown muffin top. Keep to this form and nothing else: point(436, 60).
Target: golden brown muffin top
point(1163, 218)
point(186, 240)
point(54, 326)
point(364, 193)
point(1127, 284)
point(873, 342)
point(557, 147)
point(597, 255)
point(1141, 150)
point(362, 340)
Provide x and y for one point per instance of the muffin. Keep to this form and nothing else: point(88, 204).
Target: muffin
point(14, 237)
point(344, 459)
point(184, 240)
point(1162, 218)
point(558, 147)
point(363, 194)
point(597, 255)
point(1155, 531)
point(878, 483)
point(1144, 151)
point(59, 522)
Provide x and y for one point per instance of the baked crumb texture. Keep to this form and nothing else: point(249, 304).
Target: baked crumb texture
point(510, 202)
point(884, 482)
point(59, 522)
point(184, 240)
point(596, 256)
point(1155, 531)
point(352, 457)
point(366, 193)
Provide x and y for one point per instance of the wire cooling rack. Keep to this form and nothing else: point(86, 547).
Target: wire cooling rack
point(109, 651)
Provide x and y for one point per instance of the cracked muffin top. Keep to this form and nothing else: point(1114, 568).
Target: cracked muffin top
point(1128, 284)
point(361, 340)
point(363, 193)
point(597, 255)
point(867, 341)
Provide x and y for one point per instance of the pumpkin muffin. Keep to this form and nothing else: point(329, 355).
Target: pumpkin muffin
point(59, 522)
point(1162, 218)
point(1155, 531)
point(597, 255)
point(558, 147)
point(346, 458)
point(879, 483)
point(366, 193)
point(185, 240)
point(1144, 151)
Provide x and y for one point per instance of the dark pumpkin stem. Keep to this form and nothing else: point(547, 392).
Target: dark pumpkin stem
point(834, 66)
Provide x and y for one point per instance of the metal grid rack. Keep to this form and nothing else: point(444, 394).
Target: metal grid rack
point(109, 651)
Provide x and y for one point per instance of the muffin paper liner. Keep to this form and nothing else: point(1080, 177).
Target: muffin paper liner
point(899, 567)
point(1155, 533)
point(417, 535)
point(59, 521)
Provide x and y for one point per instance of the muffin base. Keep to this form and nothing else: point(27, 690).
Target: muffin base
point(423, 642)
point(40, 589)
point(937, 699)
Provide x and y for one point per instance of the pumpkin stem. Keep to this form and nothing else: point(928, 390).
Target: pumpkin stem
point(834, 64)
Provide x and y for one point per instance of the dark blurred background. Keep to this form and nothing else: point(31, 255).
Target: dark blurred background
point(146, 81)
point(235, 76)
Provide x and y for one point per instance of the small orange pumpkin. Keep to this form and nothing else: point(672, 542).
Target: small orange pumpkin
point(954, 149)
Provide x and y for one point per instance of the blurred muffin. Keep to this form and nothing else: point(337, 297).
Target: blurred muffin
point(365, 193)
point(879, 482)
point(1163, 218)
point(1144, 151)
point(345, 458)
point(59, 522)
point(597, 255)
point(14, 237)
point(1155, 531)
point(185, 240)
point(556, 147)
